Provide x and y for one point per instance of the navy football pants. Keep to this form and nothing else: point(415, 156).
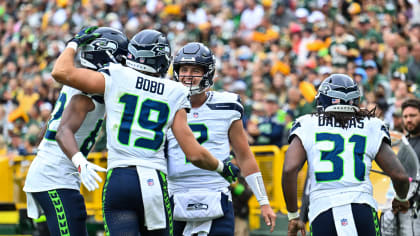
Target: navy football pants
point(65, 211)
point(123, 204)
point(365, 219)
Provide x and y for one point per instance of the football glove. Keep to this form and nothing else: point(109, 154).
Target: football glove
point(230, 172)
point(85, 36)
point(87, 171)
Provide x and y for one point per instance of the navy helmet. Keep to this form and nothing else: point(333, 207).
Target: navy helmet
point(338, 93)
point(149, 51)
point(111, 46)
point(196, 54)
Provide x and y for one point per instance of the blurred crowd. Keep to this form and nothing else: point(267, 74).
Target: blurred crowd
point(273, 53)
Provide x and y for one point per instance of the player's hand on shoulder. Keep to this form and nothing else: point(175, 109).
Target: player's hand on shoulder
point(296, 225)
point(269, 216)
point(230, 171)
point(87, 171)
point(85, 36)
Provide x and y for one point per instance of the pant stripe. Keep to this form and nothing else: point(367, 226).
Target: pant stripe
point(167, 202)
point(108, 175)
point(376, 223)
point(61, 214)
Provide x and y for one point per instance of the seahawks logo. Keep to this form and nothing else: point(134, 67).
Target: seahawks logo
point(104, 44)
point(160, 50)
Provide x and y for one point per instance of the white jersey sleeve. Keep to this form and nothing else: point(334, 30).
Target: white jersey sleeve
point(140, 109)
point(339, 159)
point(210, 124)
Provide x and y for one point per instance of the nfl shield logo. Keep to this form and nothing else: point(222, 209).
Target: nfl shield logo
point(344, 222)
point(129, 56)
point(195, 114)
point(335, 101)
point(150, 182)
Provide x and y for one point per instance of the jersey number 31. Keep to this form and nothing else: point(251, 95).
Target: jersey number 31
point(337, 161)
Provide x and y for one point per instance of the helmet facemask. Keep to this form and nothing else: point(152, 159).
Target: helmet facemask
point(196, 54)
point(201, 87)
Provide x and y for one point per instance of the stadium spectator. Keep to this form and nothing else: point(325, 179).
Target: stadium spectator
point(341, 200)
point(407, 223)
point(411, 120)
point(282, 15)
point(33, 34)
point(241, 193)
point(403, 59)
point(413, 74)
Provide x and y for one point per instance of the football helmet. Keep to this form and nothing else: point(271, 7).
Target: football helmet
point(338, 93)
point(196, 54)
point(111, 46)
point(149, 51)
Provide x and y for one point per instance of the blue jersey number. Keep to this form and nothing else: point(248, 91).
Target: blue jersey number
point(334, 157)
point(154, 122)
point(91, 139)
point(50, 134)
point(202, 137)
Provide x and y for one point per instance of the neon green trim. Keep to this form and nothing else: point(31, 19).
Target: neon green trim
point(59, 211)
point(41, 219)
point(376, 223)
point(108, 176)
point(167, 202)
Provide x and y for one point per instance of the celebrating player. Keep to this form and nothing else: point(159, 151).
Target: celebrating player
point(216, 118)
point(339, 142)
point(140, 108)
point(53, 181)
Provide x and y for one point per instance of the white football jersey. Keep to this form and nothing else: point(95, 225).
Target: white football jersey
point(210, 124)
point(51, 168)
point(339, 159)
point(140, 110)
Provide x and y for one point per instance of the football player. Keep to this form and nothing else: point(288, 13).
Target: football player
point(140, 108)
point(216, 118)
point(53, 181)
point(340, 142)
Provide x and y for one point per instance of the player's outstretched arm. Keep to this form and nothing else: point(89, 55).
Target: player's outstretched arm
point(389, 163)
point(294, 159)
point(197, 154)
point(66, 73)
point(73, 116)
point(249, 169)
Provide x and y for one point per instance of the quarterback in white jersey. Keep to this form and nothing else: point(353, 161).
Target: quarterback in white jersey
point(53, 182)
point(140, 108)
point(339, 142)
point(202, 201)
point(210, 123)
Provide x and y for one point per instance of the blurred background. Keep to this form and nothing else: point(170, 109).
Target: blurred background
point(273, 53)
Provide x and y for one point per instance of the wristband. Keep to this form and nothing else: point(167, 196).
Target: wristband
point(401, 199)
point(220, 167)
point(256, 183)
point(292, 215)
point(72, 45)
